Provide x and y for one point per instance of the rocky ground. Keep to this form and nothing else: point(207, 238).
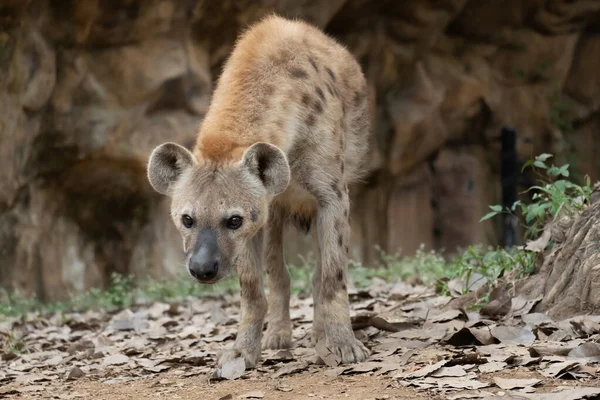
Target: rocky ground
point(424, 346)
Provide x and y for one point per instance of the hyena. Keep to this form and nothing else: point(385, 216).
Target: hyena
point(285, 133)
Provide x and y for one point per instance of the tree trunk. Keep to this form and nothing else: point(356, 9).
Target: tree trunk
point(568, 280)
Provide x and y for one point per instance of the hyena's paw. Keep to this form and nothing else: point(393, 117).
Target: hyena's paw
point(251, 356)
point(277, 337)
point(352, 351)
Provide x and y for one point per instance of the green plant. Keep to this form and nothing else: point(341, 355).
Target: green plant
point(553, 195)
point(476, 263)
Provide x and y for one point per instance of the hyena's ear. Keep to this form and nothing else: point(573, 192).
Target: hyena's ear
point(166, 164)
point(268, 164)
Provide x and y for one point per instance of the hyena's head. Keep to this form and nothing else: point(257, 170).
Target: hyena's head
point(218, 208)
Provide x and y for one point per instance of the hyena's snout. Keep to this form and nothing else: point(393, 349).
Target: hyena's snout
point(203, 263)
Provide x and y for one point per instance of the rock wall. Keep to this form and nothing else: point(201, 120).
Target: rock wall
point(89, 87)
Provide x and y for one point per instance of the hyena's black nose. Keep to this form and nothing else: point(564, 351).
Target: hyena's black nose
point(204, 263)
point(204, 271)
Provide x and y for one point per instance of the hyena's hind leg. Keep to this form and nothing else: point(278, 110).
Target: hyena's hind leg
point(279, 325)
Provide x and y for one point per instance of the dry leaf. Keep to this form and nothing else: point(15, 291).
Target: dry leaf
point(538, 351)
point(513, 335)
point(557, 369)
point(116, 359)
point(232, 369)
point(452, 372)
point(499, 303)
point(252, 395)
point(75, 373)
point(280, 356)
point(536, 319)
point(326, 355)
point(461, 285)
point(442, 383)
point(508, 384)
point(470, 336)
point(290, 369)
point(568, 394)
point(539, 245)
point(521, 306)
point(364, 367)
point(589, 351)
point(490, 367)
point(427, 370)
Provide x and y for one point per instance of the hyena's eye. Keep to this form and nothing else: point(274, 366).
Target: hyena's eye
point(187, 221)
point(234, 222)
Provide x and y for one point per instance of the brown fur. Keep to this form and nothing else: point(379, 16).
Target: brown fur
point(285, 134)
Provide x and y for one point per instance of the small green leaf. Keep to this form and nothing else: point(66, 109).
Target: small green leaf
point(539, 164)
point(488, 216)
point(515, 204)
point(527, 164)
point(496, 208)
point(553, 171)
point(543, 157)
point(564, 170)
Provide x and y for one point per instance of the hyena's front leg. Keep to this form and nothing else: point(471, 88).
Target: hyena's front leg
point(279, 325)
point(334, 235)
point(253, 306)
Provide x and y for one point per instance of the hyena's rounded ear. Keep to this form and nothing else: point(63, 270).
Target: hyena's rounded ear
point(268, 164)
point(166, 164)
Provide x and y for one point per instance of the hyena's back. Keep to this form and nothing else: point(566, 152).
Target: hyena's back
point(288, 84)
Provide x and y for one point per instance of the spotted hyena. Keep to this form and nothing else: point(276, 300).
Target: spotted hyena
point(285, 134)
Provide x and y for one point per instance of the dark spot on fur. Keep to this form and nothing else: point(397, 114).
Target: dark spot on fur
point(310, 120)
point(357, 98)
point(340, 240)
point(330, 89)
point(344, 288)
point(346, 213)
point(343, 108)
point(299, 73)
point(305, 99)
point(340, 275)
point(269, 90)
point(337, 191)
point(342, 168)
point(313, 63)
point(347, 250)
point(318, 106)
point(330, 72)
point(321, 94)
point(254, 215)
